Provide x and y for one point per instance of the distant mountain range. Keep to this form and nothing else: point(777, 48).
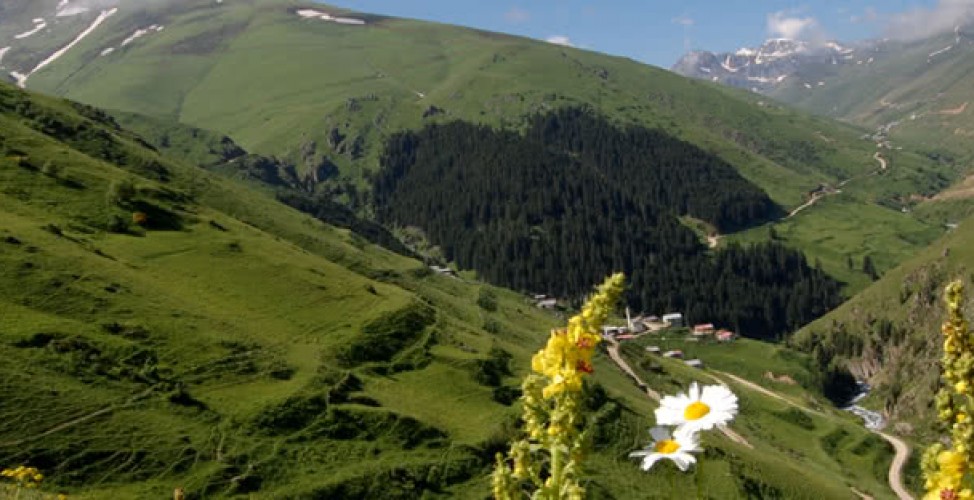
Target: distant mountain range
point(915, 91)
point(777, 62)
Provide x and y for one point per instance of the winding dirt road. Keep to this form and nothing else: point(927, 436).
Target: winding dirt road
point(896, 468)
point(613, 350)
point(882, 161)
point(883, 165)
point(813, 200)
point(902, 450)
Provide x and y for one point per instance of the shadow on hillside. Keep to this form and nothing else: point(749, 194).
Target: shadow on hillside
point(158, 218)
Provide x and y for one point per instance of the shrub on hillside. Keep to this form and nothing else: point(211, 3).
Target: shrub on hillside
point(491, 371)
point(50, 169)
point(487, 300)
point(120, 192)
point(295, 413)
point(116, 224)
point(383, 337)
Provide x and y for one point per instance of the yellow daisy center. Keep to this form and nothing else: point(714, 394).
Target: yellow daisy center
point(667, 446)
point(696, 410)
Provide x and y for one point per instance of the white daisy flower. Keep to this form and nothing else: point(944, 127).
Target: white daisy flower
point(676, 447)
point(698, 410)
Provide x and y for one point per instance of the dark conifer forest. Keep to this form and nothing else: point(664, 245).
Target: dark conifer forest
point(574, 197)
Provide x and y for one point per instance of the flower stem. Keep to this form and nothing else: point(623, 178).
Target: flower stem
point(556, 468)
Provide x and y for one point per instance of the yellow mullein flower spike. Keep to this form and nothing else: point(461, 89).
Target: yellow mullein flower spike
point(552, 409)
point(946, 470)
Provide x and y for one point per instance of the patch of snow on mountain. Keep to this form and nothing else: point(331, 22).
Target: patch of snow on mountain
point(141, 32)
point(324, 16)
point(941, 51)
point(107, 51)
point(704, 69)
point(745, 52)
point(727, 65)
point(839, 48)
point(767, 79)
point(20, 77)
point(2, 52)
point(71, 11)
point(311, 13)
point(39, 24)
point(105, 14)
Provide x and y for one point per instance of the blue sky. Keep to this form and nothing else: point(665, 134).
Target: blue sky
point(658, 32)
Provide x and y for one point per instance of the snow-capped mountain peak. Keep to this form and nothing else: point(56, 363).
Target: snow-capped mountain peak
point(764, 67)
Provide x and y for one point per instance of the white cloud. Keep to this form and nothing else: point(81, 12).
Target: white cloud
point(923, 22)
point(560, 40)
point(517, 15)
point(787, 24)
point(683, 21)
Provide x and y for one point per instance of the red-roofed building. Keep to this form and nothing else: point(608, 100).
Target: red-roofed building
point(723, 335)
point(703, 329)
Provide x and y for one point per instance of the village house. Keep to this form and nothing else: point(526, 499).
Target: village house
point(653, 349)
point(547, 303)
point(724, 335)
point(694, 363)
point(673, 354)
point(613, 331)
point(445, 271)
point(703, 329)
point(674, 319)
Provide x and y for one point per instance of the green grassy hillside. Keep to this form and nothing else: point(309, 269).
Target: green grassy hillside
point(162, 326)
point(889, 334)
point(314, 92)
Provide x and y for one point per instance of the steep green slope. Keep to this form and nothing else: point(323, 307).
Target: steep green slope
point(230, 345)
point(318, 93)
point(889, 334)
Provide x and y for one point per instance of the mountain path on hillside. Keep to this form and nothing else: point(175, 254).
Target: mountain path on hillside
point(713, 240)
point(902, 450)
point(882, 161)
point(613, 350)
point(84, 418)
point(883, 165)
point(896, 468)
point(814, 199)
point(767, 392)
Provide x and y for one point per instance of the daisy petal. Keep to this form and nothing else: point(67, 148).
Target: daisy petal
point(650, 460)
point(660, 433)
